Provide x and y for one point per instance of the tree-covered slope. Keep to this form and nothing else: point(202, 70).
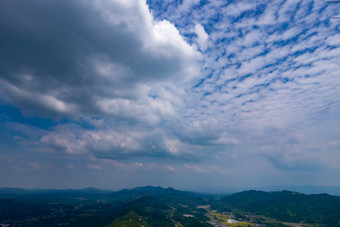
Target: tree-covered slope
point(286, 206)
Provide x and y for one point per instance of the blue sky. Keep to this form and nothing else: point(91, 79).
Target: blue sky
point(186, 94)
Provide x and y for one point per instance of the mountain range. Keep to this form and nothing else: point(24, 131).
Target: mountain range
point(157, 206)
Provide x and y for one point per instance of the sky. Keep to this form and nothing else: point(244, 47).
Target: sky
point(187, 94)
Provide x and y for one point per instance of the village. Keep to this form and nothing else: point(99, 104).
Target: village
point(229, 219)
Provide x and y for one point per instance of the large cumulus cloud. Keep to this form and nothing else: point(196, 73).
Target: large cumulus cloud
point(80, 57)
point(110, 64)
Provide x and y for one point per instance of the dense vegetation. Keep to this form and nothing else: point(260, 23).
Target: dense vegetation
point(148, 206)
point(156, 206)
point(286, 206)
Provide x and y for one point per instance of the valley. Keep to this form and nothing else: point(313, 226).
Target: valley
point(157, 206)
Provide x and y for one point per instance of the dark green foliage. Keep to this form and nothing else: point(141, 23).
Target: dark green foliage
point(129, 220)
point(153, 211)
point(287, 206)
point(156, 206)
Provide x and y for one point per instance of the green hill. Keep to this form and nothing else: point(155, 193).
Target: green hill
point(157, 206)
point(286, 206)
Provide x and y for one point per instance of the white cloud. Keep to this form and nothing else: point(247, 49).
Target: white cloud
point(252, 37)
point(236, 9)
point(123, 54)
point(334, 40)
point(268, 17)
point(202, 37)
point(287, 10)
point(187, 5)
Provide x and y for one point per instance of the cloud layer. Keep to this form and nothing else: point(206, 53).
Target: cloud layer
point(98, 57)
point(168, 88)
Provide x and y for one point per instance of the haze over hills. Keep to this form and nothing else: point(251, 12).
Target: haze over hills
point(306, 189)
point(157, 206)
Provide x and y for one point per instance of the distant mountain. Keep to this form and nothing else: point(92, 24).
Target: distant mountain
point(286, 206)
point(88, 193)
point(12, 191)
point(157, 206)
point(52, 194)
point(306, 189)
point(169, 196)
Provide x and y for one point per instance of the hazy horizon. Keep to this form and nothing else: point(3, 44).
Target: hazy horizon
point(186, 94)
point(215, 190)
